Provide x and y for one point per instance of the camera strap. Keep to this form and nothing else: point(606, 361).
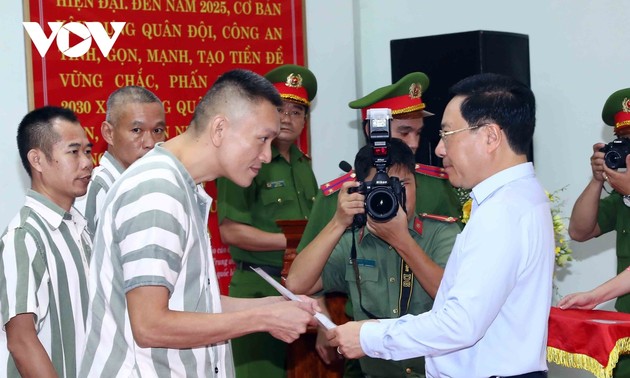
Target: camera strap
point(406, 287)
point(406, 282)
point(357, 276)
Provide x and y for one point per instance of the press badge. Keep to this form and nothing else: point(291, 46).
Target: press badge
point(275, 184)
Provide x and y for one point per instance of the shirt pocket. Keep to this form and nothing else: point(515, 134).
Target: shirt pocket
point(374, 296)
point(309, 194)
point(277, 197)
point(367, 271)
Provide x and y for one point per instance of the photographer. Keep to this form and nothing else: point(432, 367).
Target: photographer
point(391, 281)
point(499, 274)
point(592, 215)
point(435, 195)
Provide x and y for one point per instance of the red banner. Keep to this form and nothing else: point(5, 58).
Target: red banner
point(81, 52)
point(591, 340)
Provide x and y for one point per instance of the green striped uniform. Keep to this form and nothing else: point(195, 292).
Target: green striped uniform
point(103, 177)
point(152, 231)
point(44, 254)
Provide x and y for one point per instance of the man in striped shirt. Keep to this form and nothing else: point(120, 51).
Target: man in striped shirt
point(134, 123)
point(44, 251)
point(155, 308)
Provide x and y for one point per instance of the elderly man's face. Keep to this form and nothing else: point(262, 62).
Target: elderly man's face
point(138, 127)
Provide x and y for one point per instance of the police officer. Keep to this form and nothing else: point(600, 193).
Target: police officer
point(382, 279)
point(285, 188)
point(434, 194)
point(592, 216)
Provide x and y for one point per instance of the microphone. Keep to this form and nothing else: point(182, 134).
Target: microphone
point(345, 166)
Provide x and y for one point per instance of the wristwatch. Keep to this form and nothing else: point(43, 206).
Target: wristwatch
point(626, 200)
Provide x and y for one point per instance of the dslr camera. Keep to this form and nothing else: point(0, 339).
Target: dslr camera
point(616, 152)
point(383, 194)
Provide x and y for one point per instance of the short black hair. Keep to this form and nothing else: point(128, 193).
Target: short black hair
point(399, 154)
point(240, 83)
point(36, 131)
point(500, 99)
point(129, 94)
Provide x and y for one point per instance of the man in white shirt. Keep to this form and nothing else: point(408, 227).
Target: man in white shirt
point(499, 275)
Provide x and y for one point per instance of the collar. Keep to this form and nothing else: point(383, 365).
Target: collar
point(52, 213)
point(487, 187)
point(294, 152)
point(159, 150)
point(109, 162)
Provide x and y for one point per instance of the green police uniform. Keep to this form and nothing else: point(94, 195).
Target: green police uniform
point(381, 282)
point(282, 190)
point(434, 195)
point(614, 215)
point(614, 212)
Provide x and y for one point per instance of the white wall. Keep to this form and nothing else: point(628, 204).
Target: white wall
point(578, 56)
point(13, 106)
point(331, 56)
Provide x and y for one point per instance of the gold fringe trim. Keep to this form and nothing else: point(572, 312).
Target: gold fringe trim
point(409, 109)
point(295, 98)
point(588, 363)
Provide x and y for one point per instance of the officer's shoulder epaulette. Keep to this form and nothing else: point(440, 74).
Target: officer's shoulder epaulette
point(430, 170)
point(334, 185)
point(441, 218)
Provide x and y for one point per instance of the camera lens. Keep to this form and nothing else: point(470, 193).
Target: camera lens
point(381, 204)
point(614, 160)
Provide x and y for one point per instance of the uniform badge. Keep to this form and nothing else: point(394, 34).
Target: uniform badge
point(294, 80)
point(275, 184)
point(625, 105)
point(415, 90)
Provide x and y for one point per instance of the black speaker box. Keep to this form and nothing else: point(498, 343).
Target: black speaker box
point(448, 58)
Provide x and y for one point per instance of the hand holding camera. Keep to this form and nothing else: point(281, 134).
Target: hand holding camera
point(618, 179)
point(383, 194)
point(615, 153)
point(349, 205)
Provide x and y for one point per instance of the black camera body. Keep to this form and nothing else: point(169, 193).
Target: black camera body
point(616, 152)
point(383, 194)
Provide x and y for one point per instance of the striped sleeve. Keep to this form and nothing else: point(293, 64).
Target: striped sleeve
point(163, 220)
point(95, 197)
point(22, 272)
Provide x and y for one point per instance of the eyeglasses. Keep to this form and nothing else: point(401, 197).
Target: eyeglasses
point(294, 114)
point(444, 134)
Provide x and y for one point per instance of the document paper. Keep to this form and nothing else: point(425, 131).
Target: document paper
point(321, 318)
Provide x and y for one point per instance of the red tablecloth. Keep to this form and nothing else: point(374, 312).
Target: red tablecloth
point(588, 339)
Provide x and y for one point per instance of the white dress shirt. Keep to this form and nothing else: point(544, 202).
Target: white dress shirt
point(490, 313)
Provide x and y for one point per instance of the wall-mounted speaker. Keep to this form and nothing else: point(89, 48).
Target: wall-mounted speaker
point(448, 58)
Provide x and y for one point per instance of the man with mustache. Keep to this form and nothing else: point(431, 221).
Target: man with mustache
point(134, 123)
